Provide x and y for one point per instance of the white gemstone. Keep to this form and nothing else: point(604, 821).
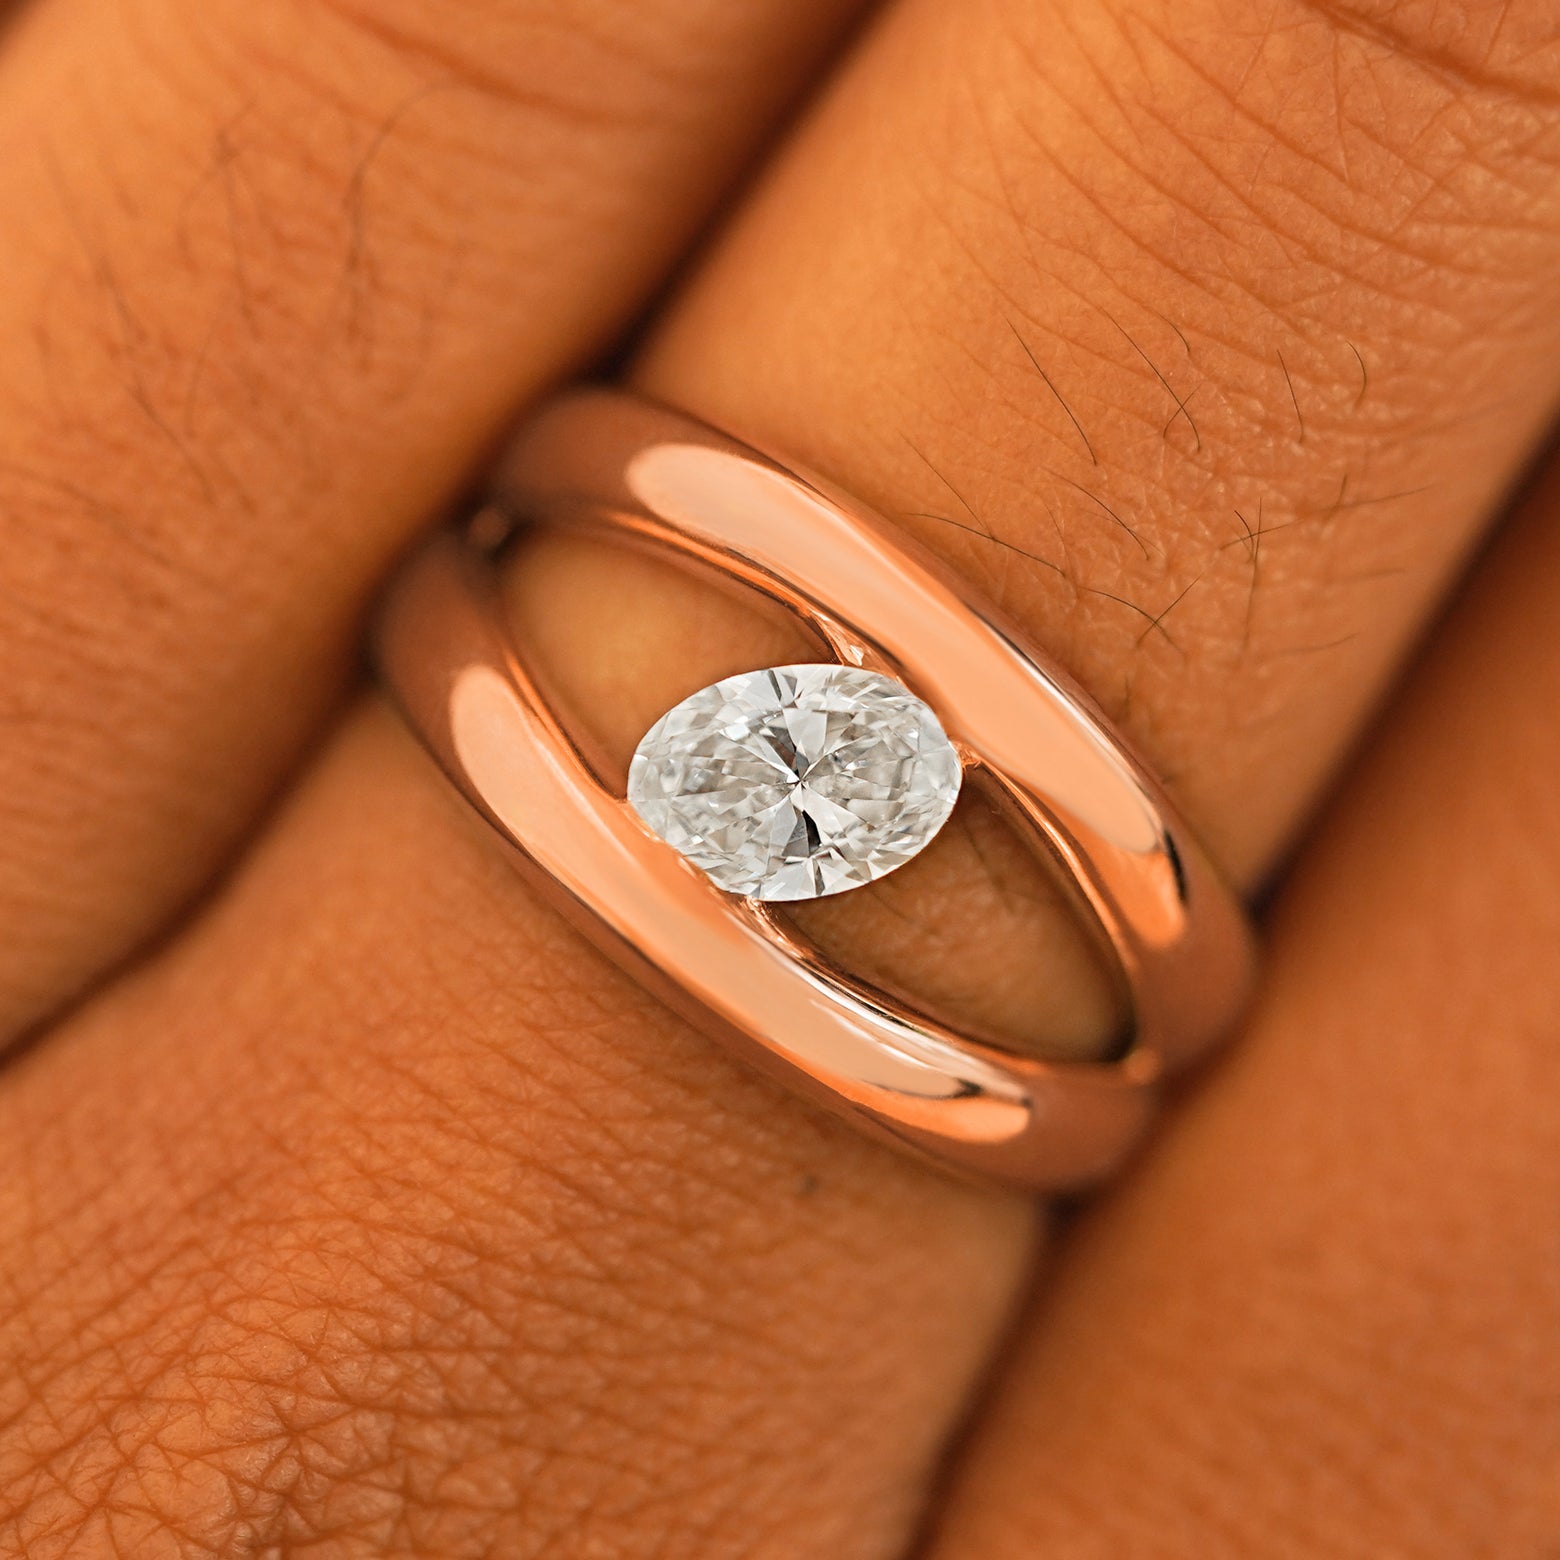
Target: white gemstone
point(796, 781)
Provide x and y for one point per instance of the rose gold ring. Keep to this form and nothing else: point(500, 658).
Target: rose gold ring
point(1020, 727)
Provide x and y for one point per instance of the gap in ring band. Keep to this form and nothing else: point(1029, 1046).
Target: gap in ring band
point(816, 928)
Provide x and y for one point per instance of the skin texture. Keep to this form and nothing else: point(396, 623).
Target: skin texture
point(1392, 1112)
point(276, 278)
point(370, 1214)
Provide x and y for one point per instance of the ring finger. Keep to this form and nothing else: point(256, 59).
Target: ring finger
point(694, 1316)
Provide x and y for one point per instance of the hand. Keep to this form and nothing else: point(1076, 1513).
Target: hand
point(352, 1207)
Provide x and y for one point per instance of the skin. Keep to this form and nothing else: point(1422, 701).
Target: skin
point(349, 1206)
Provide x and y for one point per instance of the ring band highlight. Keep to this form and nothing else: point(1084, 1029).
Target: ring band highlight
point(654, 478)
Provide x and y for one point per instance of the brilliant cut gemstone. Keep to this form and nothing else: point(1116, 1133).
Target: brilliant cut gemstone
point(796, 781)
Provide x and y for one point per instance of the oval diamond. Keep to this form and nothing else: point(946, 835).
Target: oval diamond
point(796, 781)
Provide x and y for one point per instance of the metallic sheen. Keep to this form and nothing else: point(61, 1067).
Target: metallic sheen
point(662, 481)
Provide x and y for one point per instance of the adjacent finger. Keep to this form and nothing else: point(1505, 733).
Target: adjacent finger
point(1321, 1319)
point(413, 1231)
point(275, 274)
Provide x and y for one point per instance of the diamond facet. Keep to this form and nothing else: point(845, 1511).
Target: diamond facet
point(796, 781)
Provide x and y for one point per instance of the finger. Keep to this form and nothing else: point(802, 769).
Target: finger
point(274, 276)
point(1228, 359)
point(584, 1285)
point(484, 1254)
point(1320, 1321)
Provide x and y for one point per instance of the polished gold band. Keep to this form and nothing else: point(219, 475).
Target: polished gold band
point(658, 479)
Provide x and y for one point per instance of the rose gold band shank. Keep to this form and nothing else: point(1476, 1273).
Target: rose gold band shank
point(661, 480)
